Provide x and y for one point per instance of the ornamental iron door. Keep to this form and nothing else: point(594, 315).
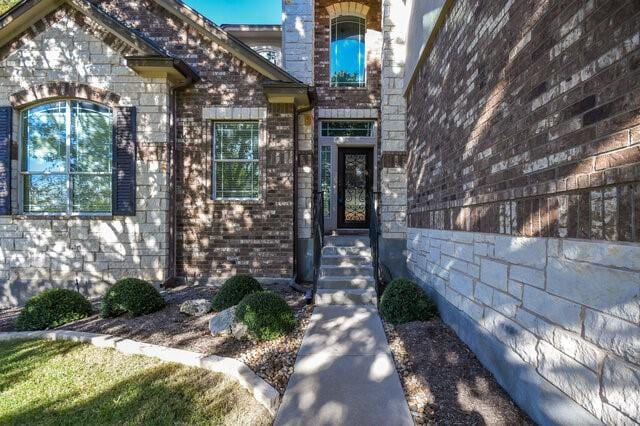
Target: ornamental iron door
point(354, 184)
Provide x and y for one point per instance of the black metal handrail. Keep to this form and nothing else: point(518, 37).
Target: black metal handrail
point(318, 240)
point(374, 233)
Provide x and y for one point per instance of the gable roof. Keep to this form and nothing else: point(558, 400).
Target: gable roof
point(23, 14)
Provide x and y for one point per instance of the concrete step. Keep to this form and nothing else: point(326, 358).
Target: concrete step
point(337, 260)
point(346, 251)
point(345, 283)
point(346, 297)
point(346, 271)
point(346, 241)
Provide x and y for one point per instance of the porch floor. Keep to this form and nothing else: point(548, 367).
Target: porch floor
point(344, 373)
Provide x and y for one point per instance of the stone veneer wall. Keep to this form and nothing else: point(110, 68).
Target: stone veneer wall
point(297, 38)
point(568, 308)
point(524, 121)
point(36, 252)
point(393, 182)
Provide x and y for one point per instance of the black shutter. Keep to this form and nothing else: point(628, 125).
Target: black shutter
point(5, 160)
point(124, 161)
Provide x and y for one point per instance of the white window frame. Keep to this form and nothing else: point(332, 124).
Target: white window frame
point(364, 39)
point(22, 173)
point(214, 162)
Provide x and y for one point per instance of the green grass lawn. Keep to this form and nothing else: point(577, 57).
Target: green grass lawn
point(67, 383)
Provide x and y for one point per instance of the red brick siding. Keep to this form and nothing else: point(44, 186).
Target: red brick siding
point(222, 238)
point(532, 137)
point(344, 97)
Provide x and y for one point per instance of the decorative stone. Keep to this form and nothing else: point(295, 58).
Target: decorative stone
point(196, 307)
point(239, 330)
point(221, 324)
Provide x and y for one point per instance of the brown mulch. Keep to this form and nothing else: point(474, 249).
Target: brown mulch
point(273, 361)
point(444, 382)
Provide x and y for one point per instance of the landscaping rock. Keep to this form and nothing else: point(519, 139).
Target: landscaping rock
point(239, 330)
point(196, 307)
point(222, 323)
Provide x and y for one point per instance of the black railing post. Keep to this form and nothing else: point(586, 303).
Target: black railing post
point(318, 240)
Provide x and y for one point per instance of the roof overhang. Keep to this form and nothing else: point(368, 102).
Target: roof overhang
point(175, 70)
point(297, 94)
point(151, 61)
point(226, 40)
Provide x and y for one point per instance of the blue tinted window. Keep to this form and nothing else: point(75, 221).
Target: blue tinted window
point(347, 51)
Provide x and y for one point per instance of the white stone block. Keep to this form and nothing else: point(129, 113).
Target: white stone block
point(613, 334)
point(493, 273)
point(555, 309)
point(610, 290)
point(577, 381)
point(522, 250)
point(621, 386)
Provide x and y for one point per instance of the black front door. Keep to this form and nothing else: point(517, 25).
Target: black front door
point(355, 178)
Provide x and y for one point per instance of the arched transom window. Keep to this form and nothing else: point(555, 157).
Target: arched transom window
point(347, 62)
point(66, 158)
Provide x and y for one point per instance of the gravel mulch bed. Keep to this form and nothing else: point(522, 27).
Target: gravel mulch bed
point(273, 360)
point(444, 382)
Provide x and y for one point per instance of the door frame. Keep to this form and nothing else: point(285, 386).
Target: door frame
point(333, 143)
point(340, 205)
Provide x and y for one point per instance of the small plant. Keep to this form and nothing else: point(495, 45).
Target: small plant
point(233, 291)
point(266, 315)
point(404, 301)
point(53, 308)
point(131, 295)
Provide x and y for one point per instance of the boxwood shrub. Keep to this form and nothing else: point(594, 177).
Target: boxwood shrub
point(53, 308)
point(404, 301)
point(131, 295)
point(266, 315)
point(233, 291)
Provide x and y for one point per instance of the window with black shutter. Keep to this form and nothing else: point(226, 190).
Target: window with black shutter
point(124, 158)
point(5, 160)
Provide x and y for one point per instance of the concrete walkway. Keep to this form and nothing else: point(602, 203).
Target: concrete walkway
point(344, 373)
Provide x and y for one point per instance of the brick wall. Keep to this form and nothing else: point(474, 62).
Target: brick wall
point(217, 239)
point(37, 253)
point(537, 135)
point(347, 97)
point(524, 193)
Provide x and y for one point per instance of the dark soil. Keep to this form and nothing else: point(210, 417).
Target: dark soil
point(444, 382)
point(273, 360)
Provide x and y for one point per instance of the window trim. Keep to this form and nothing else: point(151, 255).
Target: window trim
point(364, 40)
point(214, 163)
point(22, 174)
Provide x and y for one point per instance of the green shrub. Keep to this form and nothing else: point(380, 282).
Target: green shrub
point(266, 315)
point(53, 308)
point(234, 290)
point(404, 301)
point(131, 295)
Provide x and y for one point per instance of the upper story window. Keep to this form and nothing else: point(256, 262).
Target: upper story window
point(270, 55)
point(66, 158)
point(347, 60)
point(236, 165)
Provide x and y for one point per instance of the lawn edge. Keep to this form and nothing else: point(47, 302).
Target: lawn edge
point(262, 391)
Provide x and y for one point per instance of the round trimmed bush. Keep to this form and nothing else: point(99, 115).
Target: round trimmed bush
point(404, 301)
point(53, 308)
point(131, 295)
point(233, 291)
point(266, 315)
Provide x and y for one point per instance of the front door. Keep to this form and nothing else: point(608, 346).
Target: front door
point(355, 178)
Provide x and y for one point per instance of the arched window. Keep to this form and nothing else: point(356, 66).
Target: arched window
point(347, 51)
point(66, 158)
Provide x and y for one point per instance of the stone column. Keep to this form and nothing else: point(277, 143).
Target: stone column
point(393, 181)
